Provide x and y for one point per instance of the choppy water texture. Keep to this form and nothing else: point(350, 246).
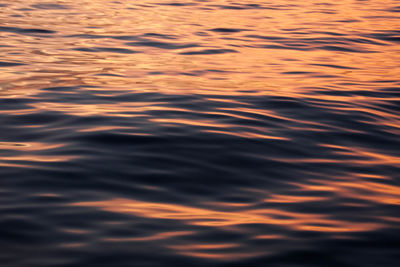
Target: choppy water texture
point(237, 133)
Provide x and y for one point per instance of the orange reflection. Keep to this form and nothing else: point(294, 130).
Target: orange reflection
point(31, 146)
point(29, 154)
point(37, 158)
point(213, 218)
point(294, 49)
point(357, 189)
point(220, 256)
point(256, 68)
point(292, 199)
point(361, 156)
point(229, 221)
point(247, 134)
point(158, 236)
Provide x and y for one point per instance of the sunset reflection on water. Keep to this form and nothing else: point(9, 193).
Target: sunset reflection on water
point(198, 133)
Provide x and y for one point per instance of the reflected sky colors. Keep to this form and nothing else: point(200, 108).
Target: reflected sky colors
point(199, 133)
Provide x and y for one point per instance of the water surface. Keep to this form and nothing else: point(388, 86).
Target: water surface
point(154, 133)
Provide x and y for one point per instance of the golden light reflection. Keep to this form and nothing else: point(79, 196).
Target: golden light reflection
point(29, 154)
point(254, 69)
point(213, 218)
point(356, 189)
point(292, 199)
point(219, 255)
point(127, 60)
point(359, 156)
point(29, 146)
point(231, 220)
point(39, 158)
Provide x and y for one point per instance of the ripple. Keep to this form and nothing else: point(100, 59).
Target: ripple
point(162, 45)
point(49, 6)
point(209, 52)
point(106, 49)
point(199, 133)
point(26, 30)
point(226, 30)
point(10, 64)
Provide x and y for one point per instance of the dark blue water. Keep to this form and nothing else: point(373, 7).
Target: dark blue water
point(199, 133)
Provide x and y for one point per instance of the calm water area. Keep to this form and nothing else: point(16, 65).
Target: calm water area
point(199, 133)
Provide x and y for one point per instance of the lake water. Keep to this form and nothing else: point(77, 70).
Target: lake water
point(199, 133)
